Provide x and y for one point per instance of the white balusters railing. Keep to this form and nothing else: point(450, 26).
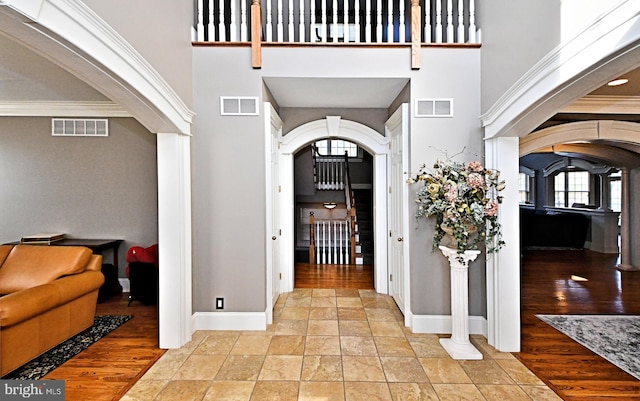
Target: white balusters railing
point(337, 21)
point(329, 173)
point(332, 242)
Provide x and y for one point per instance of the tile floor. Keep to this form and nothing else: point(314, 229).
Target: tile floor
point(328, 345)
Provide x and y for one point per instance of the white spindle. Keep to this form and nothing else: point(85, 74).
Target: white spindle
point(356, 19)
point(334, 22)
point(290, 38)
point(211, 30)
point(472, 22)
point(402, 25)
point(427, 21)
point(221, 27)
point(317, 242)
point(449, 21)
point(243, 21)
point(439, 21)
point(279, 26)
point(312, 24)
point(325, 30)
point(390, 22)
point(335, 244)
point(233, 26)
point(460, 21)
point(340, 241)
point(301, 31)
point(346, 21)
point(200, 24)
point(379, 22)
point(367, 28)
point(324, 241)
point(269, 24)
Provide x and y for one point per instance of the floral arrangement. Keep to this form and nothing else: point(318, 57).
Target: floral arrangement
point(461, 197)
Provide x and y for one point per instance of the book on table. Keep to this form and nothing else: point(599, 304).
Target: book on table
point(44, 238)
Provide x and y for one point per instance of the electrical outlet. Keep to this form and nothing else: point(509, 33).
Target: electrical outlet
point(219, 303)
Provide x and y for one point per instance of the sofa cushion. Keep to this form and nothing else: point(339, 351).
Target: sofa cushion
point(28, 266)
point(4, 251)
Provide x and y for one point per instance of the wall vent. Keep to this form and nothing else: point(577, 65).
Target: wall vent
point(434, 108)
point(79, 127)
point(238, 106)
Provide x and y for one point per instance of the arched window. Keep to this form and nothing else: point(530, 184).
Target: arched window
point(336, 147)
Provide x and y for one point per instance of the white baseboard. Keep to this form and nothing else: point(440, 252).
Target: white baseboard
point(255, 321)
point(441, 324)
point(124, 282)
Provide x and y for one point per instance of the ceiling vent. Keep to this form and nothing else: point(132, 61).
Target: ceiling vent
point(434, 108)
point(79, 127)
point(238, 106)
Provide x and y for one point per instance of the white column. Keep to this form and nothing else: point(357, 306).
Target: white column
point(174, 239)
point(503, 268)
point(625, 229)
point(459, 346)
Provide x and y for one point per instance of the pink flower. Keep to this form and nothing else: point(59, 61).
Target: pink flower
point(491, 208)
point(451, 193)
point(475, 166)
point(475, 180)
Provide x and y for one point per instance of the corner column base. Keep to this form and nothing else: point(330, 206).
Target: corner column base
point(460, 351)
point(627, 268)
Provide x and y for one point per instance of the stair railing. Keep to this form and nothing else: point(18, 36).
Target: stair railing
point(328, 171)
point(329, 241)
point(351, 208)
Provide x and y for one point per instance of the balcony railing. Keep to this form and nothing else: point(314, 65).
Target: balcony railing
point(336, 21)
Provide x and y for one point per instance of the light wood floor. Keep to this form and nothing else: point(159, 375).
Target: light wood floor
point(110, 367)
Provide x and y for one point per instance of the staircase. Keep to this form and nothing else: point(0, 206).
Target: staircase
point(364, 225)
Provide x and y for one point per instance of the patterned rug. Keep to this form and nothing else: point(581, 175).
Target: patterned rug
point(45, 363)
point(615, 338)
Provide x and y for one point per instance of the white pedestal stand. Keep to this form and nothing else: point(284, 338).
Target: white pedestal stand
point(459, 346)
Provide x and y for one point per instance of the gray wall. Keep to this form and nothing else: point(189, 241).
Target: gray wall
point(160, 30)
point(228, 156)
point(516, 34)
point(83, 187)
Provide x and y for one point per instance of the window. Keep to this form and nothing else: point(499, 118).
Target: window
point(615, 192)
point(336, 147)
point(524, 187)
point(571, 187)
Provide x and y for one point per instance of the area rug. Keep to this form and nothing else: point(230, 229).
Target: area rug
point(615, 338)
point(45, 363)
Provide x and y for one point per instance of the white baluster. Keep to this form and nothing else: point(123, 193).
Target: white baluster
point(472, 21)
point(269, 25)
point(427, 21)
point(312, 25)
point(379, 22)
point(200, 24)
point(325, 30)
point(346, 21)
point(367, 27)
point(317, 244)
point(233, 27)
point(334, 22)
point(439, 21)
point(221, 27)
point(243, 21)
point(390, 22)
point(211, 30)
point(279, 26)
point(291, 38)
point(335, 244)
point(324, 242)
point(301, 31)
point(460, 21)
point(449, 21)
point(402, 26)
point(356, 19)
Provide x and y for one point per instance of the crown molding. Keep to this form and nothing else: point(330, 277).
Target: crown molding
point(61, 109)
point(593, 104)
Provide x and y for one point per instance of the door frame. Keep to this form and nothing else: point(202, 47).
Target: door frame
point(370, 140)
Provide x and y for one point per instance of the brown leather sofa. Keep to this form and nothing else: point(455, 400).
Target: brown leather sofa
point(49, 295)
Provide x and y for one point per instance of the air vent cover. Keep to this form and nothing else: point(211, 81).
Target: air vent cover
point(434, 108)
point(79, 127)
point(238, 106)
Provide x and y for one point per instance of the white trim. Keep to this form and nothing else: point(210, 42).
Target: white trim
point(104, 109)
point(253, 321)
point(441, 324)
point(70, 34)
point(607, 47)
point(369, 140)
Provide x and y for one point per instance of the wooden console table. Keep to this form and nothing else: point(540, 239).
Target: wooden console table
point(97, 246)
